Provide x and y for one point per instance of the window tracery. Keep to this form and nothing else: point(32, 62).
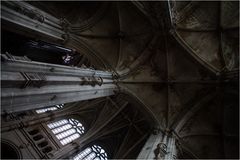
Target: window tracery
point(94, 152)
point(53, 108)
point(67, 130)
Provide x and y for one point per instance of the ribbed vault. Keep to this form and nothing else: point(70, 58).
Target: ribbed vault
point(209, 31)
point(172, 57)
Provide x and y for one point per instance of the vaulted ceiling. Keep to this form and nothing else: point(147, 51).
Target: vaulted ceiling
point(171, 57)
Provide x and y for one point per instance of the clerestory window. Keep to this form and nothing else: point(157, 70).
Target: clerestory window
point(94, 152)
point(67, 130)
point(47, 109)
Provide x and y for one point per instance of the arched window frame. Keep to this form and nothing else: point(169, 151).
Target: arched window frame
point(48, 109)
point(93, 152)
point(66, 130)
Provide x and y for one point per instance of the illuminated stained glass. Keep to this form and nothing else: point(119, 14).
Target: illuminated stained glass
point(94, 152)
point(67, 130)
point(53, 108)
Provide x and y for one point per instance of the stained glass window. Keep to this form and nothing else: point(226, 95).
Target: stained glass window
point(67, 130)
point(94, 152)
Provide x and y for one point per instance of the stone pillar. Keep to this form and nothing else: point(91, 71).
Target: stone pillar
point(27, 19)
point(159, 146)
point(171, 148)
point(151, 149)
point(29, 85)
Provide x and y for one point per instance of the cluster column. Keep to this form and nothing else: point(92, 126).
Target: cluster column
point(160, 146)
point(27, 84)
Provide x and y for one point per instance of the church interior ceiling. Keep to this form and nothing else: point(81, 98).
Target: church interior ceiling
point(176, 64)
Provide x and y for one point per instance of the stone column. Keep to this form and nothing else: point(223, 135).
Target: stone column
point(29, 85)
point(171, 148)
point(21, 17)
point(160, 146)
point(151, 148)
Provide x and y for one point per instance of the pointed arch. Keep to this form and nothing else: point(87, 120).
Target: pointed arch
point(67, 130)
point(95, 152)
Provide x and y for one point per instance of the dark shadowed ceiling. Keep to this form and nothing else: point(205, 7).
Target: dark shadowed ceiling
point(171, 57)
